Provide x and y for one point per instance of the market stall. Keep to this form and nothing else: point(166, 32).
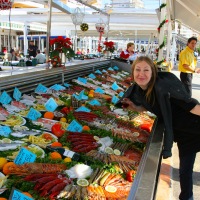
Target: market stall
point(80, 98)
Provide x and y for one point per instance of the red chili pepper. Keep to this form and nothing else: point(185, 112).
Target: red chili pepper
point(130, 175)
point(57, 130)
point(65, 110)
point(146, 127)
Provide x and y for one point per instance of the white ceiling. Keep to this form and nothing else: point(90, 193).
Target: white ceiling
point(187, 12)
point(124, 23)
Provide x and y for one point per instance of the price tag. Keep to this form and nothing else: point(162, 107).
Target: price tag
point(104, 71)
point(74, 126)
point(116, 68)
point(76, 96)
point(94, 102)
point(92, 76)
point(115, 99)
point(51, 105)
point(121, 94)
point(18, 195)
point(5, 98)
point(24, 156)
point(98, 72)
point(33, 114)
point(67, 85)
point(41, 89)
point(99, 90)
point(57, 87)
point(115, 86)
point(5, 131)
point(82, 108)
point(83, 80)
point(111, 69)
point(17, 94)
point(82, 96)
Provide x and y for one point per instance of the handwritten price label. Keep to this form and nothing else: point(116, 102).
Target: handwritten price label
point(18, 195)
point(92, 76)
point(98, 72)
point(5, 131)
point(17, 94)
point(83, 108)
point(121, 94)
point(5, 98)
point(83, 80)
point(115, 86)
point(94, 102)
point(33, 114)
point(24, 156)
point(51, 105)
point(116, 68)
point(41, 89)
point(115, 99)
point(57, 87)
point(74, 126)
point(99, 90)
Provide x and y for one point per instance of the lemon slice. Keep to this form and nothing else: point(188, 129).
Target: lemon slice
point(109, 150)
point(117, 152)
point(136, 134)
point(6, 140)
point(110, 188)
point(82, 182)
point(96, 138)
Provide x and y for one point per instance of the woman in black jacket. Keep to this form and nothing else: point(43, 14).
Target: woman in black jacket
point(163, 94)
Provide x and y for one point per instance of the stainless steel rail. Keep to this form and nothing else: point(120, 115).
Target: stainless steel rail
point(145, 183)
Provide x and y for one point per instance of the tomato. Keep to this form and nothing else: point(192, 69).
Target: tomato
point(56, 130)
point(47, 136)
point(130, 175)
point(146, 127)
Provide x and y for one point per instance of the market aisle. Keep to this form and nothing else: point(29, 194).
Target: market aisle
point(168, 187)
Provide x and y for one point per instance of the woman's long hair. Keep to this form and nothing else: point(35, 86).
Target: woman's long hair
point(152, 81)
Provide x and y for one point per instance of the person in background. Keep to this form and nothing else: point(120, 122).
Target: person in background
point(128, 54)
point(32, 49)
point(40, 57)
point(11, 56)
point(163, 94)
point(187, 64)
point(79, 52)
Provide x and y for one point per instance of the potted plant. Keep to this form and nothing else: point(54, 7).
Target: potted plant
point(60, 47)
point(109, 48)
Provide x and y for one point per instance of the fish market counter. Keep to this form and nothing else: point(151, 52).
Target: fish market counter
point(145, 183)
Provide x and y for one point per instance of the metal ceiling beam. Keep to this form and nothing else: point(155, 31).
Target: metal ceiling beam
point(61, 6)
point(93, 7)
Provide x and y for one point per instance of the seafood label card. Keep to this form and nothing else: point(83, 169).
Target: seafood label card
point(82, 95)
point(94, 102)
point(116, 68)
point(33, 114)
point(67, 85)
point(115, 99)
point(41, 89)
point(111, 69)
point(57, 87)
point(115, 86)
point(121, 94)
point(74, 126)
point(51, 105)
point(98, 72)
point(5, 98)
point(83, 80)
point(99, 90)
point(24, 156)
point(17, 94)
point(92, 76)
point(104, 71)
point(82, 108)
point(18, 195)
point(5, 131)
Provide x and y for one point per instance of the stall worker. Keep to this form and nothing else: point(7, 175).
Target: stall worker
point(128, 54)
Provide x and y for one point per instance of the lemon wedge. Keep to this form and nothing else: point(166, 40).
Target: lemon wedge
point(82, 182)
point(117, 152)
point(110, 188)
point(96, 138)
point(109, 150)
point(6, 140)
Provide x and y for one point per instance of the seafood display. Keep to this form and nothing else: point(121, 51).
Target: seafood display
point(43, 132)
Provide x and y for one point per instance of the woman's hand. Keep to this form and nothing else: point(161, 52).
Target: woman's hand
point(128, 104)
